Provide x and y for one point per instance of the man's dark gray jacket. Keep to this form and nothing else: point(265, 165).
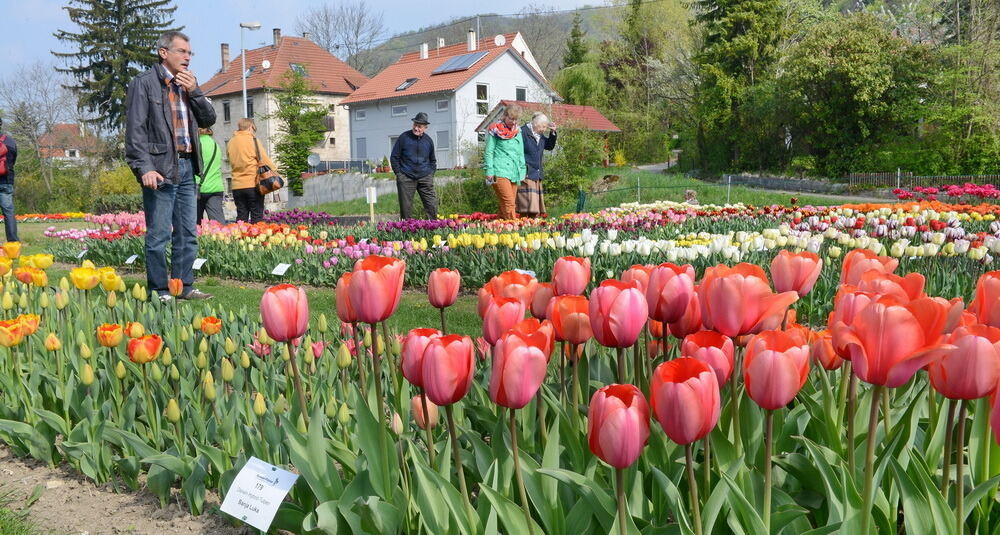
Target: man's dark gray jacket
point(149, 129)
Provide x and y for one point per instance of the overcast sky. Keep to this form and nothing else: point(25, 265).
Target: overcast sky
point(29, 24)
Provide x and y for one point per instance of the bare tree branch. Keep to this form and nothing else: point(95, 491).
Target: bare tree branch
point(348, 30)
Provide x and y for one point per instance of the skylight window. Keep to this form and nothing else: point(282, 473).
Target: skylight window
point(460, 63)
point(299, 69)
point(250, 70)
point(406, 85)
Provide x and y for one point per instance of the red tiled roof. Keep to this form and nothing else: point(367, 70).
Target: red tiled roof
point(384, 84)
point(564, 115)
point(53, 144)
point(325, 72)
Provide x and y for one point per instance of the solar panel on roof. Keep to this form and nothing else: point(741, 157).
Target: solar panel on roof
point(460, 63)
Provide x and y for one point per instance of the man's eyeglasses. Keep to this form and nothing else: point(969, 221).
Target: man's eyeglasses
point(181, 51)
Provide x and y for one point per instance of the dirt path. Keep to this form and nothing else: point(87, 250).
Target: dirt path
point(70, 504)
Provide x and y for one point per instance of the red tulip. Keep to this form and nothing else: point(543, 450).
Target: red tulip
point(144, 349)
point(986, 303)
point(690, 322)
point(713, 348)
point(540, 301)
point(775, 367)
point(508, 284)
point(442, 287)
point(617, 313)
point(345, 311)
point(411, 358)
point(285, 310)
point(859, 261)
point(502, 314)
point(570, 275)
point(540, 333)
point(448, 368)
point(638, 274)
point(685, 396)
point(670, 289)
point(903, 288)
point(822, 352)
point(618, 424)
point(795, 272)
point(738, 300)
point(890, 340)
point(970, 365)
point(376, 287)
point(519, 365)
point(570, 316)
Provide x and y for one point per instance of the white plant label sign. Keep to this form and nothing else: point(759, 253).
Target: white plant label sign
point(132, 259)
point(198, 262)
point(257, 492)
point(280, 269)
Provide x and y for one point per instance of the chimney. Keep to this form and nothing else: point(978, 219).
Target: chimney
point(472, 40)
point(440, 42)
point(307, 36)
point(277, 36)
point(423, 50)
point(225, 57)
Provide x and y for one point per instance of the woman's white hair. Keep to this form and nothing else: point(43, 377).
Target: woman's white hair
point(539, 118)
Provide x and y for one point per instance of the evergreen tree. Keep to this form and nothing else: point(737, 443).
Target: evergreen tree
point(114, 42)
point(576, 47)
point(300, 127)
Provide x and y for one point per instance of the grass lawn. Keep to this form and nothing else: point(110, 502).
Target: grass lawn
point(14, 522)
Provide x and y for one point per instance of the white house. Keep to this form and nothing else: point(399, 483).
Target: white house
point(456, 86)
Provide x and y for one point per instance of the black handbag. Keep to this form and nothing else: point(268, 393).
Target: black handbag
point(267, 179)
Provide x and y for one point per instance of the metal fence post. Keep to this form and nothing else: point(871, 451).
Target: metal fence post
point(638, 189)
point(729, 187)
point(899, 175)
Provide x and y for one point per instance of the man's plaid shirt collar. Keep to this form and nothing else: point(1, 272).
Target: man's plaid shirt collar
point(178, 112)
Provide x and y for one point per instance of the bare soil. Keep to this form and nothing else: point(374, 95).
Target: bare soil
point(71, 504)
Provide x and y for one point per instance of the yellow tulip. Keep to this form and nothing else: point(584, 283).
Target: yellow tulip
point(259, 406)
point(84, 278)
point(244, 360)
point(12, 249)
point(87, 375)
point(173, 411)
point(52, 342)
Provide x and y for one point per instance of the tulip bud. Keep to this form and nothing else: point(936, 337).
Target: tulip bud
point(244, 360)
point(397, 423)
point(52, 342)
point(85, 352)
point(344, 414)
point(155, 372)
point(173, 411)
point(833, 252)
point(64, 284)
point(331, 408)
point(121, 285)
point(87, 375)
point(139, 292)
point(196, 322)
point(7, 302)
point(184, 334)
point(208, 387)
point(417, 409)
point(112, 299)
point(379, 345)
point(232, 317)
point(120, 370)
point(259, 406)
point(203, 345)
point(368, 339)
point(309, 358)
point(395, 347)
point(62, 299)
point(286, 355)
point(281, 406)
point(343, 356)
point(264, 338)
point(167, 356)
point(43, 301)
point(22, 302)
point(230, 346)
point(321, 323)
point(201, 362)
point(175, 374)
point(227, 370)
point(301, 425)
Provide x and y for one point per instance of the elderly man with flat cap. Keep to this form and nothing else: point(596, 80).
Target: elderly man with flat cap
point(414, 163)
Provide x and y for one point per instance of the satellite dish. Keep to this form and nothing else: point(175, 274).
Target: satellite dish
point(265, 64)
point(313, 159)
point(499, 40)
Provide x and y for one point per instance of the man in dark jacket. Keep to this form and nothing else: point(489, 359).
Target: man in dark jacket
point(7, 187)
point(414, 163)
point(165, 109)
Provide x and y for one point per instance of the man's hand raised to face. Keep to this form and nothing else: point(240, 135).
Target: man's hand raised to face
point(187, 80)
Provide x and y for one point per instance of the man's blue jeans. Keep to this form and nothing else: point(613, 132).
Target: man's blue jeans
point(173, 207)
point(7, 207)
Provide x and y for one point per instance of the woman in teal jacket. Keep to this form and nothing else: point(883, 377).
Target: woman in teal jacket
point(504, 158)
point(210, 185)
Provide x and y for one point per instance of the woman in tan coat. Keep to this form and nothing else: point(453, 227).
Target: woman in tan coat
point(242, 150)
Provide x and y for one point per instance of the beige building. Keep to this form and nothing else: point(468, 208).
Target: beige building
point(330, 78)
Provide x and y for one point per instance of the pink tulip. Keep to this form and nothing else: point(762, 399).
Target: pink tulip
point(905, 288)
point(859, 261)
point(986, 303)
point(442, 287)
point(501, 314)
point(376, 287)
point(570, 275)
point(618, 424)
point(345, 311)
point(412, 354)
point(519, 365)
point(540, 301)
point(285, 311)
point(684, 394)
point(639, 274)
point(713, 348)
point(670, 289)
point(617, 313)
point(690, 322)
point(775, 368)
point(540, 333)
point(448, 368)
point(970, 365)
point(738, 300)
point(822, 352)
point(795, 272)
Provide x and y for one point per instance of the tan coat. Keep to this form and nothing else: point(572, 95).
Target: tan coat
point(243, 159)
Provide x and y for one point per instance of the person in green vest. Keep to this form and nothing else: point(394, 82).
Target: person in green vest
point(504, 159)
point(210, 184)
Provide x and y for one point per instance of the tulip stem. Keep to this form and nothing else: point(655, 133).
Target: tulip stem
point(620, 490)
point(768, 449)
point(735, 415)
point(394, 369)
point(377, 375)
point(886, 410)
point(517, 472)
point(359, 351)
point(562, 374)
point(959, 476)
point(456, 454)
point(576, 387)
point(427, 429)
point(707, 468)
point(304, 410)
point(621, 365)
point(180, 440)
point(866, 509)
point(852, 402)
point(949, 431)
point(693, 488)
point(637, 364)
point(444, 323)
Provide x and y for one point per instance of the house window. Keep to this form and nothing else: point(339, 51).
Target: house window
point(442, 105)
point(361, 148)
point(482, 99)
point(250, 107)
point(299, 69)
point(360, 115)
point(72, 153)
point(443, 140)
point(226, 114)
point(333, 141)
point(481, 137)
point(398, 111)
point(406, 84)
point(521, 94)
point(392, 140)
point(332, 108)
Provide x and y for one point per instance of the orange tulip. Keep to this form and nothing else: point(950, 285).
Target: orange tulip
point(775, 368)
point(442, 287)
point(417, 409)
point(638, 274)
point(795, 272)
point(29, 323)
point(285, 311)
point(822, 352)
point(412, 354)
point(5, 265)
point(110, 334)
point(738, 300)
point(52, 342)
point(10, 332)
point(134, 329)
point(713, 348)
point(502, 314)
point(519, 364)
point(376, 287)
point(846, 304)
point(84, 278)
point(618, 424)
point(670, 289)
point(210, 325)
point(514, 283)
point(570, 316)
point(684, 394)
point(23, 274)
point(145, 349)
point(540, 301)
point(12, 249)
point(540, 333)
point(970, 365)
point(889, 340)
point(617, 313)
point(859, 261)
point(986, 303)
point(448, 368)
point(570, 275)
point(175, 287)
point(345, 311)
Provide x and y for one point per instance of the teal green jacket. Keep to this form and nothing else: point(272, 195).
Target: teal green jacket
point(505, 157)
point(213, 166)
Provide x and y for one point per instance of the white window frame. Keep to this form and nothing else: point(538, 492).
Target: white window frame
point(395, 112)
point(360, 115)
point(446, 107)
point(481, 101)
point(447, 138)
